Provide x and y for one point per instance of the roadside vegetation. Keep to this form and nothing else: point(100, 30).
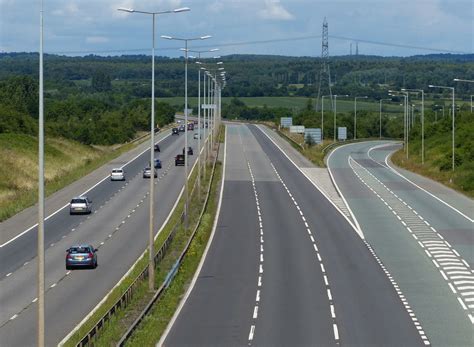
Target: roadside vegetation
point(438, 152)
point(65, 161)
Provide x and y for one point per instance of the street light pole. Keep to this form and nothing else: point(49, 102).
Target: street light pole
point(151, 260)
point(322, 116)
point(355, 114)
point(335, 112)
point(453, 107)
point(380, 117)
point(422, 120)
point(40, 289)
point(186, 188)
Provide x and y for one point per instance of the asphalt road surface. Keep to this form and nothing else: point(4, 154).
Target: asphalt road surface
point(422, 231)
point(285, 268)
point(118, 226)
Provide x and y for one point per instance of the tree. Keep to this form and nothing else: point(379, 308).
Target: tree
point(101, 82)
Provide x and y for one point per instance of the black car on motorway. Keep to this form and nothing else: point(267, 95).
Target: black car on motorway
point(181, 128)
point(190, 151)
point(175, 131)
point(179, 160)
point(157, 148)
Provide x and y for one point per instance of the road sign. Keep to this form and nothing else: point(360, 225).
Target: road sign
point(208, 106)
point(297, 129)
point(189, 111)
point(314, 134)
point(286, 122)
point(342, 133)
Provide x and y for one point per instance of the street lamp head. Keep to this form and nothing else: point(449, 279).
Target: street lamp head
point(166, 37)
point(205, 37)
point(431, 86)
point(214, 50)
point(216, 57)
point(220, 69)
point(129, 10)
point(219, 63)
point(182, 9)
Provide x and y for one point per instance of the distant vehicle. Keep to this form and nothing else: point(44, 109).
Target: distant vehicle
point(190, 151)
point(178, 121)
point(175, 131)
point(80, 205)
point(195, 121)
point(147, 173)
point(81, 256)
point(179, 160)
point(196, 136)
point(181, 128)
point(207, 125)
point(117, 175)
point(157, 148)
point(191, 126)
point(157, 163)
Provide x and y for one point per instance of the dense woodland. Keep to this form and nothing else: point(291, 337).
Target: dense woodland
point(105, 100)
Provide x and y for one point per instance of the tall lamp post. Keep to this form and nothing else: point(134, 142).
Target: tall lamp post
point(322, 116)
point(453, 107)
point(151, 262)
point(40, 289)
point(355, 114)
point(380, 117)
point(335, 112)
point(186, 40)
point(467, 81)
point(405, 131)
point(422, 120)
point(199, 115)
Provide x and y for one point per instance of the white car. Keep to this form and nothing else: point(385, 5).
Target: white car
point(196, 136)
point(117, 175)
point(80, 205)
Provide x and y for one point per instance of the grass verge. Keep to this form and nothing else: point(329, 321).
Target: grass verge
point(154, 324)
point(65, 162)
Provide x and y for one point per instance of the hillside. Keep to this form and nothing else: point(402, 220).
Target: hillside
point(438, 159)
point(65, 161)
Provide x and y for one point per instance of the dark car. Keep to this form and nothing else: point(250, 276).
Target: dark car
point(157, 148)
point(190, 151)
point(175, 131)
point(181, 128)
point(179, 160)
point(157, 163)
point(207, 125)
point(81, 256)
point(147, 173)
point(191, 126)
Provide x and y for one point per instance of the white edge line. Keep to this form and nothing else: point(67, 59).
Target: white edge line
point(87, 191)
point(203, 257)
point(356, 228)
point(68, 336)
point(427, 192)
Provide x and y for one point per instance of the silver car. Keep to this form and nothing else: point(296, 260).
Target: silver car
point(147, 172)
point(80, 205)
point(117, 175)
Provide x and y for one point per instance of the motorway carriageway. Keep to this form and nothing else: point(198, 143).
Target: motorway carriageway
point(285, 268)
point(118, 226)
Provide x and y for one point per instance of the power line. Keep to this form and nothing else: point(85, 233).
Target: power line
point(258, 42)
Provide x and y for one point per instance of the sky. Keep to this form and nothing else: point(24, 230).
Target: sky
point(280, 27)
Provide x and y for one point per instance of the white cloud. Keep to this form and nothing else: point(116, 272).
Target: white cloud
point(274, 10)
point(69, 9)
point(96, 39)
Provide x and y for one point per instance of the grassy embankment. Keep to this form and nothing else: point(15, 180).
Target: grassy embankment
point(65, 162)
point(438, 149)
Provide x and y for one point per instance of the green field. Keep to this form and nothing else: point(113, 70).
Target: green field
point(293, 102)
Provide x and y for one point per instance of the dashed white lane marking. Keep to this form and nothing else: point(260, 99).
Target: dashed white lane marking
point(318, 255)
point(13, 317)
point(260, 266)
point(427, 236)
